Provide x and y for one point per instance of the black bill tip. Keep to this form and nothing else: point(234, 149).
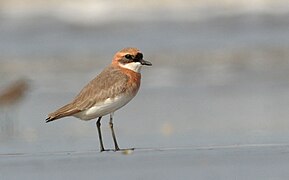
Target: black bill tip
point(147, 63)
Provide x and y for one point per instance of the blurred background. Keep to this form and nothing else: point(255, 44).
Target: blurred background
point(220, 73)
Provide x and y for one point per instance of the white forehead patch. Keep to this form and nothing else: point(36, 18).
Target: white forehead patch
point(134, 66)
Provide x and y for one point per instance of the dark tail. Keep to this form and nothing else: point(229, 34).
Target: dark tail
point(49, 119)
point(66, 110)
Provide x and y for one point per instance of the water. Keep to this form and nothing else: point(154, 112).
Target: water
point(214, 82)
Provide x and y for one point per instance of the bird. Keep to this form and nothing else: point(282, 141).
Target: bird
point(10, 97)
point(13, 93)
point(110, 90)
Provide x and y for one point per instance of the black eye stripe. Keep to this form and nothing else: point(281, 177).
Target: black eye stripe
point(128, 58)
point(139, 56)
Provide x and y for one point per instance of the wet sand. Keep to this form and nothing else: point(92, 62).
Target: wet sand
point(265, 162)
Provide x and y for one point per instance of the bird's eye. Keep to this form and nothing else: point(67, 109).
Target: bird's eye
point(128, 56)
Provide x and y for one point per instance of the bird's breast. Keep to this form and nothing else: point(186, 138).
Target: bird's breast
point(114, 100)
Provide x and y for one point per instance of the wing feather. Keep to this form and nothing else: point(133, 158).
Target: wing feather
point(108, 84)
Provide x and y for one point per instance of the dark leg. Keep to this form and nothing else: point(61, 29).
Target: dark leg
point(113, 134)
point(99, 134)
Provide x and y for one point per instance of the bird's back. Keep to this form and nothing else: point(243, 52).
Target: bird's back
point(110, 83)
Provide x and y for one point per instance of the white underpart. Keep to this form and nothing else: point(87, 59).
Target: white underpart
point(106, 107)
point(134, 66)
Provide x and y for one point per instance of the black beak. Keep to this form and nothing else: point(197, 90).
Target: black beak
point(147, 63)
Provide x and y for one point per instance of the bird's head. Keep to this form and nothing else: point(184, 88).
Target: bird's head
point(130, 58)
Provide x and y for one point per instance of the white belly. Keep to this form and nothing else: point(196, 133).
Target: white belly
point(108, 106)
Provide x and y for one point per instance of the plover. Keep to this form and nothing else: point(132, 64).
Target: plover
point(113, 88)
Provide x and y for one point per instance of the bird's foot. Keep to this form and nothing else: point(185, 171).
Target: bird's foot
point(118, 149)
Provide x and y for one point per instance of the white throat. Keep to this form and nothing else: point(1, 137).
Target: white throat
point(134, 66)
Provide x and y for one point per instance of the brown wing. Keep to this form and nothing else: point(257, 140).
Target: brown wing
point(64, 111)
point(108, 84)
